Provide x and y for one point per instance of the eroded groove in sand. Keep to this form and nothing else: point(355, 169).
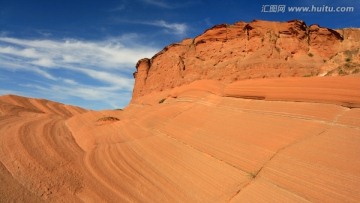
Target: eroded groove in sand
point(44, 158)
point(146, 173)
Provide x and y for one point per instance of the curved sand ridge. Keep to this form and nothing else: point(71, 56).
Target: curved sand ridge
point(37, 151)
point(206, 142)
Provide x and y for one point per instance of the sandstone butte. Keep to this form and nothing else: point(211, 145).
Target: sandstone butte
point(250, 112)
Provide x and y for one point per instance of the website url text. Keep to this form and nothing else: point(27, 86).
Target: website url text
point(306, 9)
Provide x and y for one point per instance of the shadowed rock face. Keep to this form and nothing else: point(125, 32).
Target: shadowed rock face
point(236, 52)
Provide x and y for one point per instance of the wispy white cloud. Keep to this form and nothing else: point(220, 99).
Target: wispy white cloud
point(117, 8)
point(70, 81)
point(109, 62)
point(121, 5)
point(44, 33)
point(44, 74)
point(93, 95)
point(44, 62)
point(25, 52)
point(159, 3)
point(168, 4)
point(171, 28)
point(117, 81)
point(107, 54)
point(176, 28)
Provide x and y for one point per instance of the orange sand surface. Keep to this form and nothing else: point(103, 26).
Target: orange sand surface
point(269, 140)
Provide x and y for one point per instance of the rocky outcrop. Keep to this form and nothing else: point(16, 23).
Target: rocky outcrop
point(142, 70)
point(259, 49)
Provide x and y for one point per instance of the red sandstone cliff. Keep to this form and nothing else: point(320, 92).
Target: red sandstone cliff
point(259, 49)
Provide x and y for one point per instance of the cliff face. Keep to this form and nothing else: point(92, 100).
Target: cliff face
point(260, 49)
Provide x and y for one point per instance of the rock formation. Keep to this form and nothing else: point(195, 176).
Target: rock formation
point(274, 139)
point(259, 49)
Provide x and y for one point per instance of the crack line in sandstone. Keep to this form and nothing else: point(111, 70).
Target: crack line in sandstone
point(255, 175)
point(202, 152)
point(188, 145)
point(329, 126)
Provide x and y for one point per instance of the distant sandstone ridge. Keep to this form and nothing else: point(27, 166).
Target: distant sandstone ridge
point(259, 49)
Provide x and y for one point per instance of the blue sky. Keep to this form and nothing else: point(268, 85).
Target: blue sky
point(83, 52)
